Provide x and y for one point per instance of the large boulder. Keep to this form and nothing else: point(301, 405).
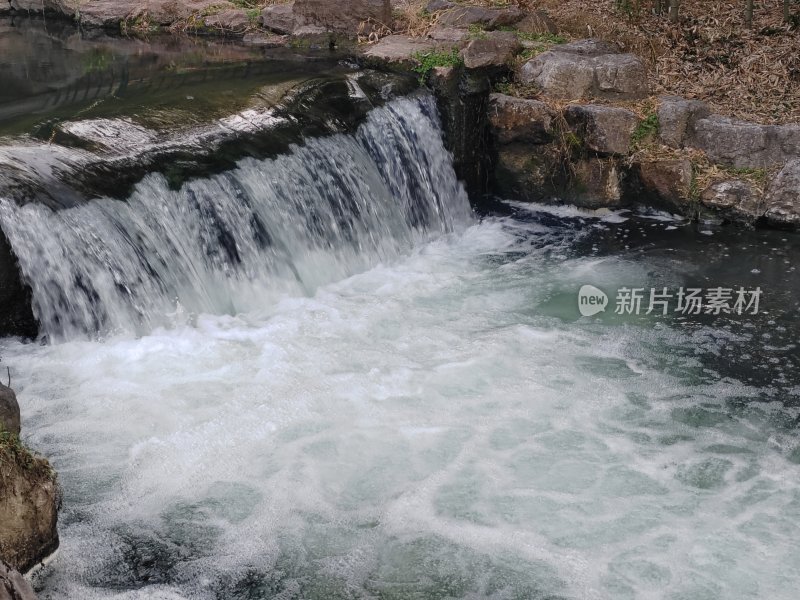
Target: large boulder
point(743, 144)
point(596, 183)
point(29, 504)
point(229, 21)
point(602, 129)
point(677, 117)
point(9, 411)
point(14, 586)
point(351, 17)
point(279, 18)
point(489, 18)
point(401, 49)
point(515, 119)
point(587, 69)
point(493, 50)
point(665, 182)
point(782, 202)
point(735, 199)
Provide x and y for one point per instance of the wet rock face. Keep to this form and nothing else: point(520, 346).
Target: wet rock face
point(587, 69)
point(14, 586)
point(29, 504)
point(9, 411)
point(782, 202)
point(733, 198)
point(520, 120)
point(603, 129)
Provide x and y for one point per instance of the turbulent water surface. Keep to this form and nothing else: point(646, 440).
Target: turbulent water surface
point(320, 377)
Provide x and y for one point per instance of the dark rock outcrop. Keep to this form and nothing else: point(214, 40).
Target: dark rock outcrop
point(587, 69)
point(662, 182)
point(14, 586)
point(520, 120)
point(463, 101)
point(29, 502)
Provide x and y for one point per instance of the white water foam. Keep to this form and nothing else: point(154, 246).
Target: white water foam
point(420, 430)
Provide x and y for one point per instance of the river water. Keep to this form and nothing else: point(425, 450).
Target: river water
point(321, 376)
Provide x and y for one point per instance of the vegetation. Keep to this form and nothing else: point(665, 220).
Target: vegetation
point(427, 61)
point(14, 454)
point(645, 131)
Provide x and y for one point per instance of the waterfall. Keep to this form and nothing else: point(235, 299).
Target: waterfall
point(231, 243)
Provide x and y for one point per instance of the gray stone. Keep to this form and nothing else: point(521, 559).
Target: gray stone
point(677, 117)
point(63, 7)
point(232, 20)
point(666, 182)
point(279, 18)
point(453, 35)
point(620, 76)
point(490, 18)
point(438, 5)
point(345, 17)
point(782, 202)
point(14, 586)
point(9, 410)
point(495, 49)
point(603, 129)
point(586, 69)
point(560, 75)
point(596, 183)
point(515, 119)
point(735, 143)
point(400, 48)
point(734, 198)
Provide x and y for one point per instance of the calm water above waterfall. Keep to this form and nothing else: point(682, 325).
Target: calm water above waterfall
point(321, 376)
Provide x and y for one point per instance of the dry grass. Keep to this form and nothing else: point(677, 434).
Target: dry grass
point(710, 55)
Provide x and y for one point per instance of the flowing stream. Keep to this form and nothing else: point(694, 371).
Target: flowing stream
point(321, 377)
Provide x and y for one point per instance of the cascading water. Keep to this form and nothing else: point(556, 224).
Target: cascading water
point(443, 425)
point(229, 243)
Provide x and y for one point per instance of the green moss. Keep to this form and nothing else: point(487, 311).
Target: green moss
point(477, 32)
point(645, 131)
point(14, 454)
point(758, 175)
point(427, 61)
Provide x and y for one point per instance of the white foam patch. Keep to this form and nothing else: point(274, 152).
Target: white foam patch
point(418, 430)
